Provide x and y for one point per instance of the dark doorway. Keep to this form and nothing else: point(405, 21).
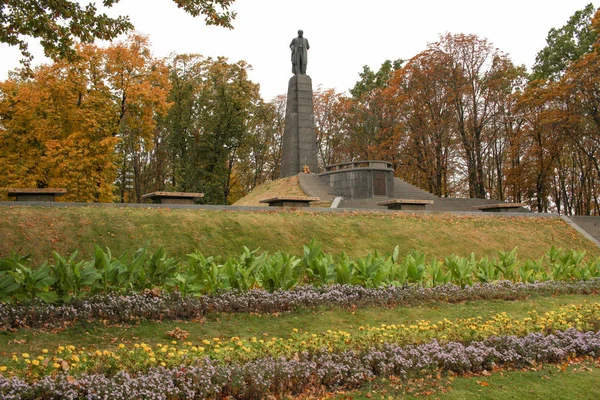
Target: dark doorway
point(379, 188)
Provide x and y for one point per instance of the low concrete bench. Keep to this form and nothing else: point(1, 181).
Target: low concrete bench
point(500, 207)
point(32, 194)
point(172, 197)
point(405, 204)
point(289, 201)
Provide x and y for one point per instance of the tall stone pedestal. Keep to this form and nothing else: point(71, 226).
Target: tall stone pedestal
point(299, 138)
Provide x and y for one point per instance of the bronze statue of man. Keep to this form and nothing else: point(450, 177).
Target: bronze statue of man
point(299, 48)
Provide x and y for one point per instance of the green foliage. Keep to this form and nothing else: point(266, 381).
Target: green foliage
point(71, 276)
point(279, 272)
point(319, 267)
point(67, 279)
point(371, 80)
point(25, 283)
point(461, 269)
point(38, 18)
point(566, 44)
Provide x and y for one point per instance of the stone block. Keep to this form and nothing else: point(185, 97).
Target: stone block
point(299, 137)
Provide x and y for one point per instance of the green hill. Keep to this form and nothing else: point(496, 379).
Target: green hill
point(39, 230)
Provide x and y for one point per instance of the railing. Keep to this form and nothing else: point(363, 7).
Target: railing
point(373, 164)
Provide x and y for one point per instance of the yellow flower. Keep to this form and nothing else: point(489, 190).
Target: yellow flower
point(174, 342)
point(56, 365)
point(121, 346)
point(206, 341)
point(36, 362)
point(45, 351)
point(3, 368)
point(25, 355)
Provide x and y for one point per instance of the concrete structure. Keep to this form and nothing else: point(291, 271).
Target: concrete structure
point(405, 204)
point(357, 182)
point(500, 207)
point(289, 201)
point(172, 197)
point(299, 138)
point(360, 179)
point(34, 194)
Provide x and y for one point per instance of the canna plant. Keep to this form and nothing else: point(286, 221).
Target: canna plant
point(207, 272)
point(437, 275)
point(33, 283)
point(344, 270)
point(72, 278)
point(507, 264)
point(370, 271)
point(319, 267)
point(414, 263)
point(486, 271)
point(461, 269)
point(279, 272)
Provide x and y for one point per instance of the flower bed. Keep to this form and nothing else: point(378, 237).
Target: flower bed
point(323, 369)
point(157, 305)
point(139, 357)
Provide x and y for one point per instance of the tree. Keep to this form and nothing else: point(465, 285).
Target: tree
point(566, 44)
point(57, 129)
point(212, 120)
point(58, 24)
point(477, 72)
point(71, 123)
point(367, 124)
point(139, 86)
point(420, 96)
point(329, 120)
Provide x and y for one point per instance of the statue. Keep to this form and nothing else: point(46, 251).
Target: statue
point(299, 48)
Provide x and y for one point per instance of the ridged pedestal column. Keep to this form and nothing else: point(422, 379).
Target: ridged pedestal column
point(299, 138)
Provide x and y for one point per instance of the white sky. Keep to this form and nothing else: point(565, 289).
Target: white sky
point(344, 35)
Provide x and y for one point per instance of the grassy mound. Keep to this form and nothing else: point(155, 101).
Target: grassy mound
point(281, 187)
point(40, 230)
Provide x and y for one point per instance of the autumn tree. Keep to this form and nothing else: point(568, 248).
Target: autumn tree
point(368, 128)
point(72, 123)
point(59, 24)
point(57, 129)
point(420, 96)
point(139, 86)
point(477, 71)
point(329, 109)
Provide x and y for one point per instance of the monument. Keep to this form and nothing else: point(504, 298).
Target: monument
point(299, 151)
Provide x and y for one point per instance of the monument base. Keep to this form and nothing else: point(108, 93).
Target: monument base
point(299, 138)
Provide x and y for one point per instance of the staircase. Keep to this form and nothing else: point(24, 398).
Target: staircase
point(314, 186)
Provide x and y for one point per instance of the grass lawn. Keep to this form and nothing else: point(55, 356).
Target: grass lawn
point(40, 230)
point(576, 381)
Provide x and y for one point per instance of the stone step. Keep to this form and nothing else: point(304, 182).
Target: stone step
point(314, 186)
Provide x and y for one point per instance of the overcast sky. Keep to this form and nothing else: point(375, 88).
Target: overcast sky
point(344, 35)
